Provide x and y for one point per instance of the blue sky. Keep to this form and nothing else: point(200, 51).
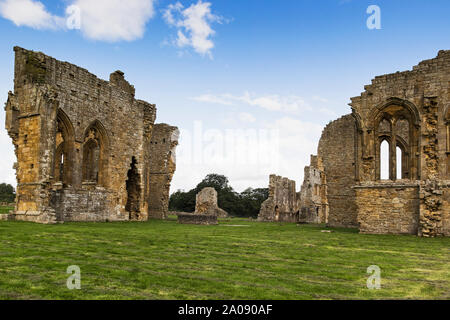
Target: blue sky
point(280, 69)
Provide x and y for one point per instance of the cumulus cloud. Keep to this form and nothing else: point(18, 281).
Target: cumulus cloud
point(105, 20)
point(29, 13)
point(114, 20)
point(288, 104)
point(194, 25)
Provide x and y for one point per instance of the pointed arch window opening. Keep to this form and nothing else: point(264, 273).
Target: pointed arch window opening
point(63, 156)
point(399, 163)
point(385, 160)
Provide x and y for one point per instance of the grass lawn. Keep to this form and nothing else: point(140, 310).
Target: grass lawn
point(165, 260)
point(5, 210)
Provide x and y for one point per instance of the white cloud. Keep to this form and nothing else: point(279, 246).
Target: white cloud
point(114, 20)
point(288, 104)
point(224, 99)
point(105, 20)
point(194, 25)
point(246, 117)
point(29, 13)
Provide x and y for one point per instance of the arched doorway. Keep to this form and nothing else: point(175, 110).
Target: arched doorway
point(133, 191)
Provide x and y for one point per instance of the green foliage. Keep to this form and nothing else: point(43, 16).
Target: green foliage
point(7, 193)
point(246, 204)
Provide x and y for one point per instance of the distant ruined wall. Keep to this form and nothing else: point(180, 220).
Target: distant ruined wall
point(206, 203)
point(162, 168)
point(313, 194)
point(337, 150)
point(283, 202)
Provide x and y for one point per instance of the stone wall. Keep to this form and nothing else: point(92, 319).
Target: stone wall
point(162, 168)
point(434, 208)
point(417, 100)
point(411, 112)
point(75, 132)
point(313, 194)
point(388, 208)
point(86, 205)
point(283, 202)
point(206, 203)
point(337, 150)
point(446, 210)
point(201, 219)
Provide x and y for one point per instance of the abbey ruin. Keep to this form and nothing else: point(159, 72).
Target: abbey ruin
point(86, 149)
point(409, 112)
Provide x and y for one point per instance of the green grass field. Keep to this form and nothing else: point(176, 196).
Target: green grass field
point(165, 260)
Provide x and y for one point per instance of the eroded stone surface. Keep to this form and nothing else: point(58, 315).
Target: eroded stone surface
point(206, 203)
point(313, 194)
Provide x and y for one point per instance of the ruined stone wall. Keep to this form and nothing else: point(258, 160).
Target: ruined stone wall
point(424, 95)
point(337, 150)
point(434, 208)
point(387, 208)
point(162, 168)
point(283, 202)
point(98, 128)
point(418, 99)
point(206, 203)
point(313, 194)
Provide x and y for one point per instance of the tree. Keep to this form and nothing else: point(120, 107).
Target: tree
point(7, 193)
point(216, 181)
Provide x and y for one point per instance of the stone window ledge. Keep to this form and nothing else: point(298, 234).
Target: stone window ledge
point(388, 184)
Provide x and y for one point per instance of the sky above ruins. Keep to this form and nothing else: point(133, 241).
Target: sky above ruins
point(250, 83)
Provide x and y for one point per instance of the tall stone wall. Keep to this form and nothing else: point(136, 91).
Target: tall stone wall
point(74, 132)
point(313, 194)
point(283, 202)
point(162, 168)
point(337, 150)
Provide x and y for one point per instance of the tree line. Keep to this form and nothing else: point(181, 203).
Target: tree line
point(7, 193)
point(245, 204)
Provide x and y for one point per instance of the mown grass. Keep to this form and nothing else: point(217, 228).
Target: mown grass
point(165, 260)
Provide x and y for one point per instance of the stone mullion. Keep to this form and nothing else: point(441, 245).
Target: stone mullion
point(393, 154)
